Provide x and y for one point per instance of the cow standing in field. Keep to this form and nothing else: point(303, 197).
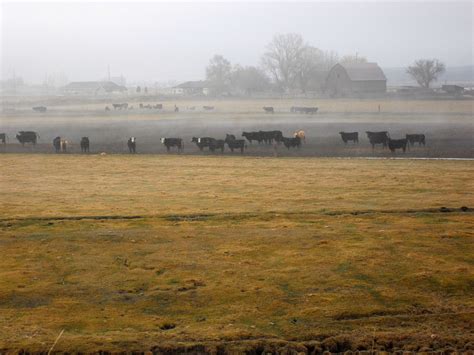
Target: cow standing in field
point(416, 138)
point(378, 138)
point(292, 142)
point(217, 144)
point(202, 142)
point(394, 144)
point(85, 144)
point(350, 136)
point(57, 144)
point(132, 145)
point(123, 106)
point(268, 109)
point(306, 110)
point(176, 108)
point(270, 136)
point(233, 143)
point(300, 133)
point(27, 137)
point(253, 136)
point(208, 108)
point(3, 138)
point(173, 142)
point(41, 109)
point(64, 144)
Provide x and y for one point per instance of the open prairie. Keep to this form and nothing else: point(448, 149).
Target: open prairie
point(235, 254)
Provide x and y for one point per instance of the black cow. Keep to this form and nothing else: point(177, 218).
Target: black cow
point(270, 136)
point(202, 142)
point(3, 138)
point(235, 143)
point(306, 110)
point(215, 144)
point(350, 136)
point(85, 144)
point(158, 106)
point(292, 142)
point(416, 138)
point(173, 142)
point(120, 106)
point(268, 109)
point(208, 108)
point(394, 144)
point(176, 108)
point(132, 145)
point(40, 108)
point(27, 137)
point(378, 138)
point(253, 136)
point(57, 144)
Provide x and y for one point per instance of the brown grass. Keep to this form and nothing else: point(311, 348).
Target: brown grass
point(265, 262)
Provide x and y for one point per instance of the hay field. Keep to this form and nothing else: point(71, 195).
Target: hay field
point(181, 253)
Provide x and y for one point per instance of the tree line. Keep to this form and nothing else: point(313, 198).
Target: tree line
point(291, 65)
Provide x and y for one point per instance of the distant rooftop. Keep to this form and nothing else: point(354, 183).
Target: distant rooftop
point(363, 71)
point(108, 86)
point(200, 84)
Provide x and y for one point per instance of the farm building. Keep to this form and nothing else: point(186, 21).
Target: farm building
point(92, 88)
point(192, 88)
point(355, 78)
point(453, 89)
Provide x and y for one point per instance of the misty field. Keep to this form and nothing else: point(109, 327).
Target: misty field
point(447, 125)
point(182, 253)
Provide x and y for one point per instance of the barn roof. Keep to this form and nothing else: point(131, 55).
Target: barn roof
point(364, 71)
point(201, 84)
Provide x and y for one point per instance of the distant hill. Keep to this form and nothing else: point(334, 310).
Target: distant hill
point(453, 75)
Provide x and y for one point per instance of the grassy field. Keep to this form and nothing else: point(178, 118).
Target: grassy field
point(235, 254)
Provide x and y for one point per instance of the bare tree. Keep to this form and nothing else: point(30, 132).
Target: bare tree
point(249, 79)
point(310, 66)
point(282, 59)
point(348, 59)
point(218, 73)
point(425, 71)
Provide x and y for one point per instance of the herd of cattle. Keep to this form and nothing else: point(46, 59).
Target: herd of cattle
point(126, 106)
point(214, 144)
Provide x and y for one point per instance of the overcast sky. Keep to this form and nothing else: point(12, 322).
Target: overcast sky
point(166, 41)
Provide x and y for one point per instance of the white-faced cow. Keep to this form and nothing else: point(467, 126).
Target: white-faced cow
point(132, 145)
point(173, 142)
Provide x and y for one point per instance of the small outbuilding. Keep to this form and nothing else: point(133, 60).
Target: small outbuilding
point(192, 88)
point(453, 89)
point(355, 79)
